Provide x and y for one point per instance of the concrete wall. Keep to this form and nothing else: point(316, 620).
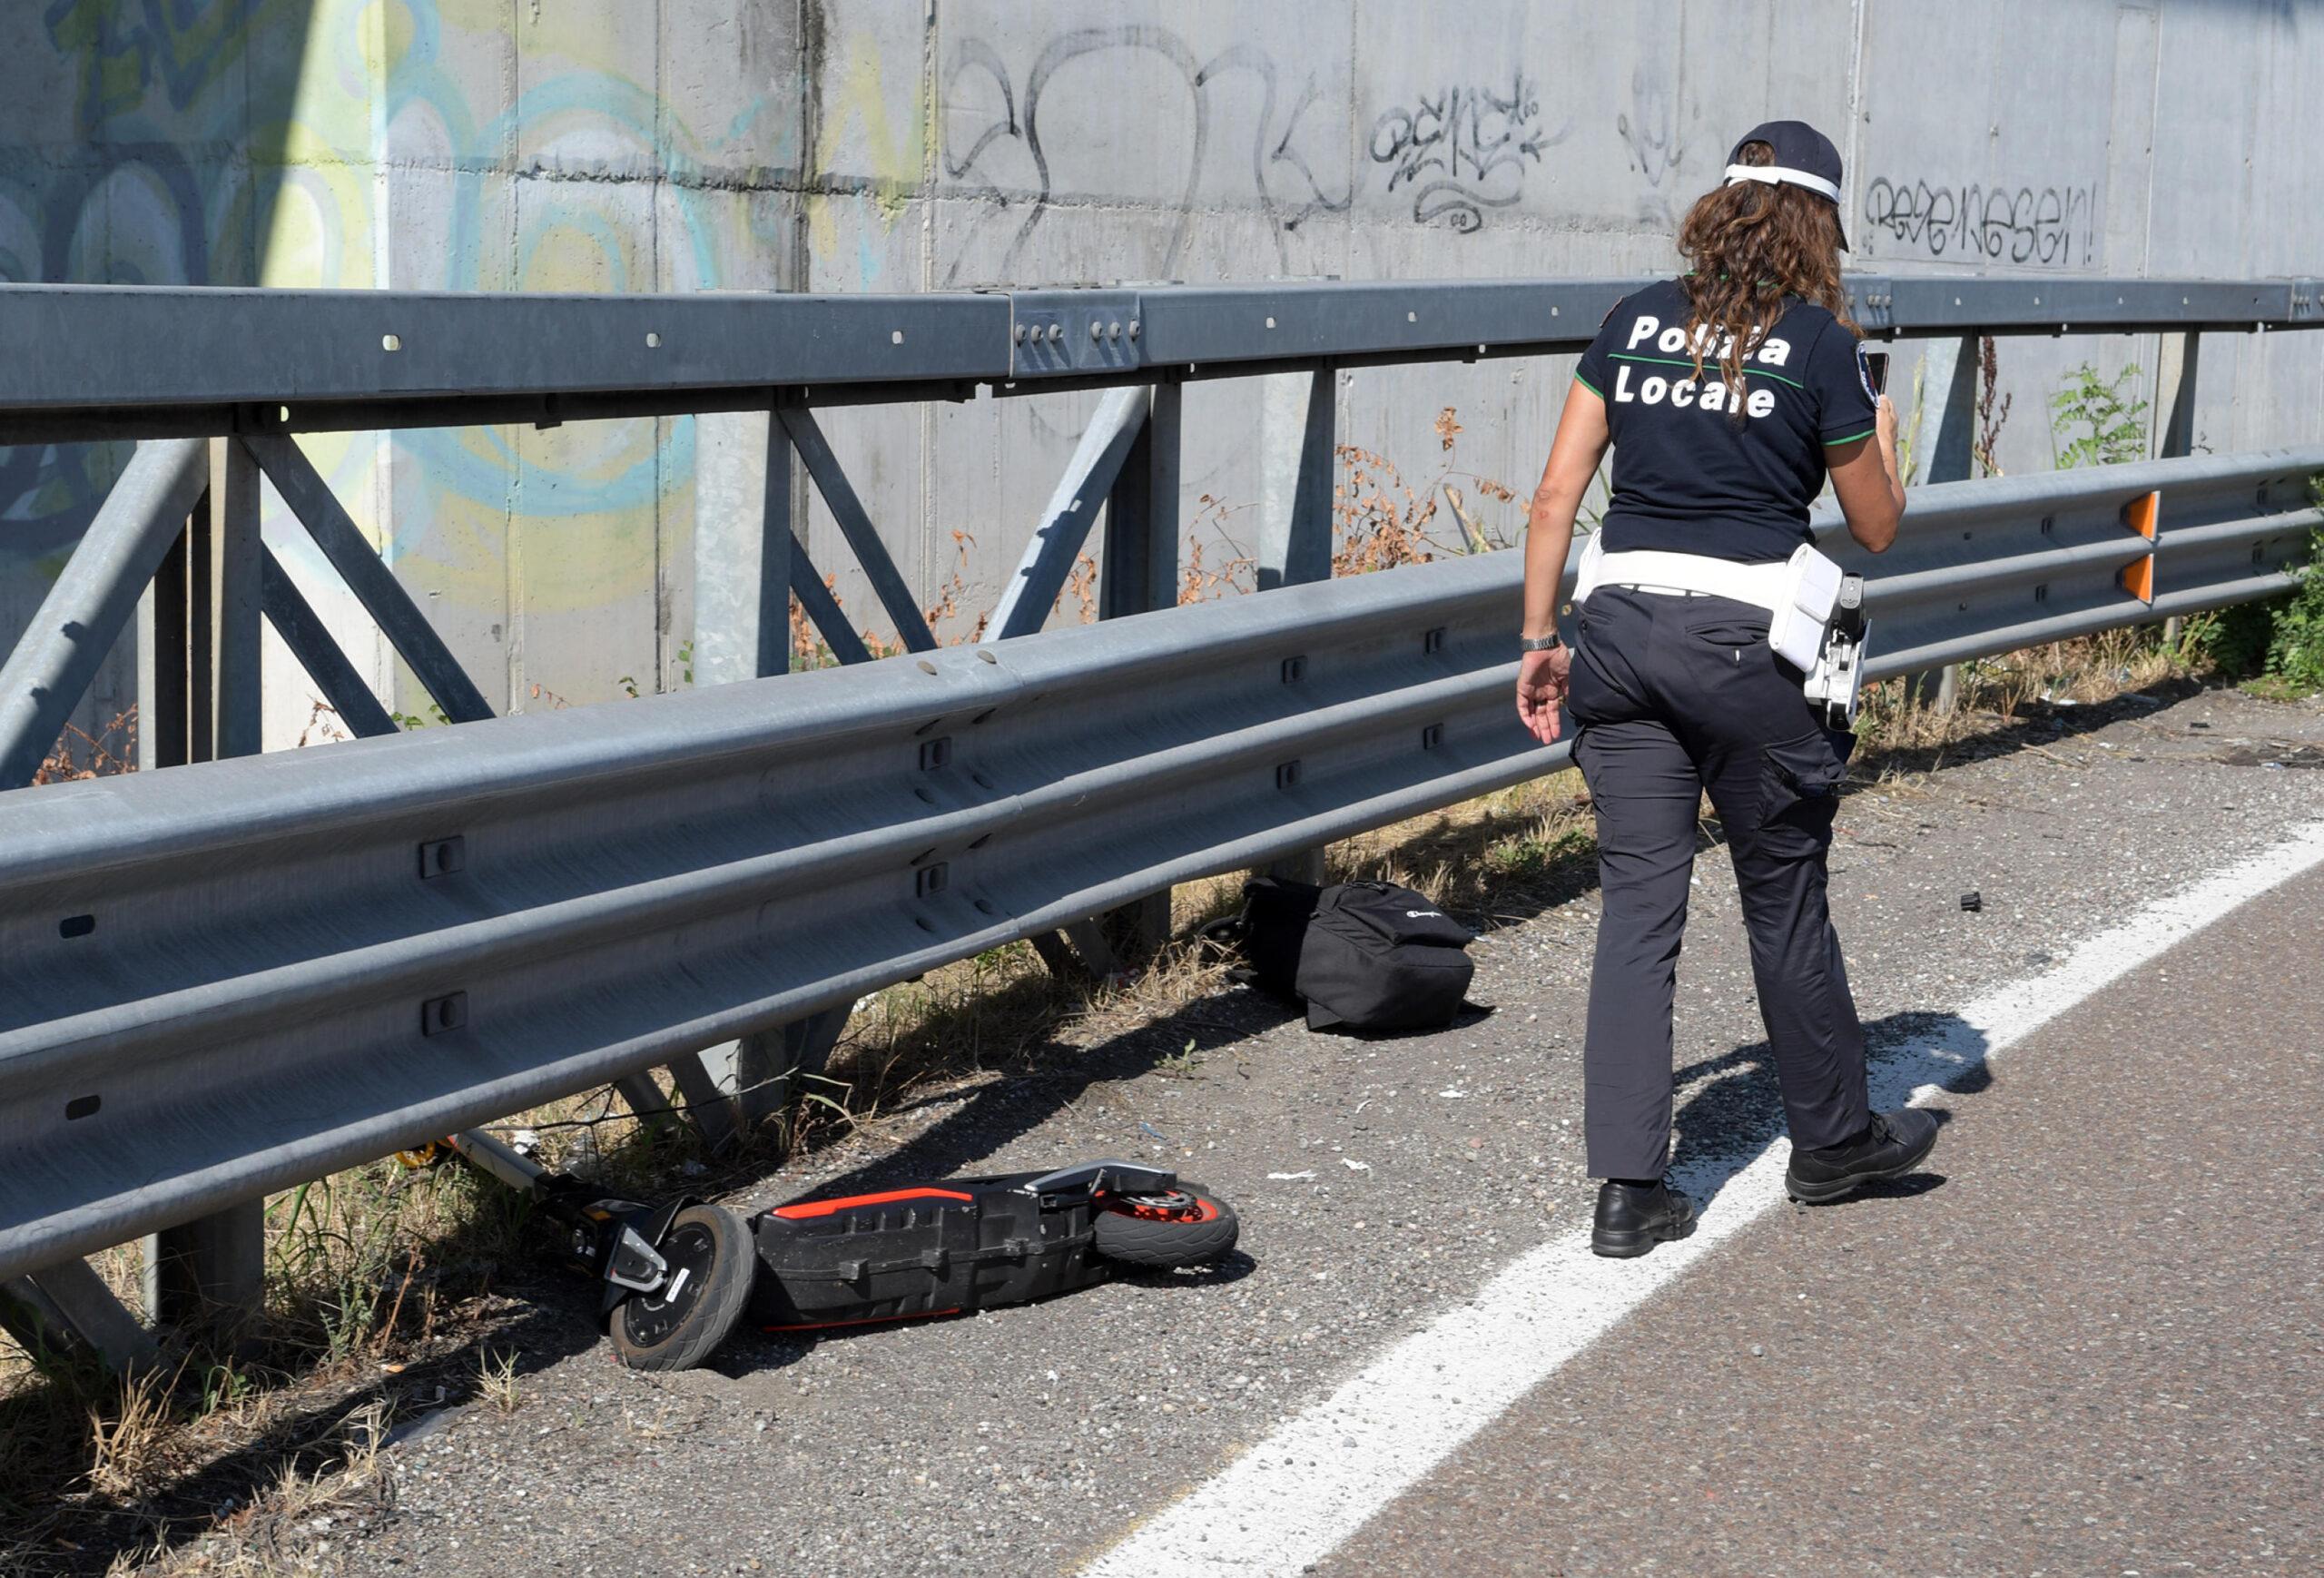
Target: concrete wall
point(875, 144)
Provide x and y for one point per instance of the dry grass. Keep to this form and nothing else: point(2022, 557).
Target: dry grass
point(79, 754)
point(295, 1524)
point(378, 1279)
point(127, 1441)
point(1997, 692)
point(495, 1380)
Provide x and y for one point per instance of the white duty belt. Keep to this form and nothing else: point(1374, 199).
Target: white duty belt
point(1798, 594)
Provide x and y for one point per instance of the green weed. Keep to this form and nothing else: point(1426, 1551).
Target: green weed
point(2096, 421)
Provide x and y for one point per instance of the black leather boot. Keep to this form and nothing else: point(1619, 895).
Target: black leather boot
point(1895, 1142)
point(1633, 1219)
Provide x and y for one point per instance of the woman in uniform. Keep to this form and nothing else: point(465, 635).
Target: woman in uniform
point(1729, 394)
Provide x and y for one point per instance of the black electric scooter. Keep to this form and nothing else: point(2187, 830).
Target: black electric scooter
point(680, 1276)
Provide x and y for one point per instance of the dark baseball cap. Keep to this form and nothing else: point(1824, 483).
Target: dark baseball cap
point(1804, 157)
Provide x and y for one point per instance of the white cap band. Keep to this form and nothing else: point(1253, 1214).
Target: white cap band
point(1777, 175)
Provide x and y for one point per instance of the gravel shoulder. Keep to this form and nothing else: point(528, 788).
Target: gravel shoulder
point(1377, 1182)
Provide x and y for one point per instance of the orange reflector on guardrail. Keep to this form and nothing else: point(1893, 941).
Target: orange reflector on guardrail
point(2141, 515)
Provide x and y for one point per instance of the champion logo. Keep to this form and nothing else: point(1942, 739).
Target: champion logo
point(1423, 914)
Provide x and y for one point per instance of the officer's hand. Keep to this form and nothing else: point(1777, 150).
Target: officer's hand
point(1540, 691)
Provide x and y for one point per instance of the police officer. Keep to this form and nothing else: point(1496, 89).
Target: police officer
point(1728, 394)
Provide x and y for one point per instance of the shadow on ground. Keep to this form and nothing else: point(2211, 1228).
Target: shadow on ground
point(1730, 1123)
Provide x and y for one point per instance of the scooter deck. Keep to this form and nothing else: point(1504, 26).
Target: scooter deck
point(948, 1248)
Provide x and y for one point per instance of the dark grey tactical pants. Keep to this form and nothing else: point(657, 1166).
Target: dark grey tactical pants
point(1675, 695)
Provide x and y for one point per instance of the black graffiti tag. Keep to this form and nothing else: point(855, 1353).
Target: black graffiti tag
point(2027, 224)
point(1463, 151)
point(1283, 177)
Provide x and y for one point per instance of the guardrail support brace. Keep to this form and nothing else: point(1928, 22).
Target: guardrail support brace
point(68, 1305)
point(367, 576)
point(855, 523)
point(772, 1066)
point(93, 602)
point(1098, 460)
point(311, 642)
point(704, 1097)
point(646, 1101)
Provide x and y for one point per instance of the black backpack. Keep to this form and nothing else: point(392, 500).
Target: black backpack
point(1363, 956)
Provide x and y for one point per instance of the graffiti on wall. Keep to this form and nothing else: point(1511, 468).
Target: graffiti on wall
point(199, 156)
point(1650, 127)
point(1006, 134)
point(1976, 223)
point(1464, 150)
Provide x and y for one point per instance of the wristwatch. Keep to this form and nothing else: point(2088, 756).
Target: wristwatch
point(1549, 643)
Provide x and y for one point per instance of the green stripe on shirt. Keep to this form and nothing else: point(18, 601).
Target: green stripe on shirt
point(1851, 439)
point(1666, 361)
point(1593, 388)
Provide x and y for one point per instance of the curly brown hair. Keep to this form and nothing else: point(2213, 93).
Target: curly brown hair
point(1752, 245)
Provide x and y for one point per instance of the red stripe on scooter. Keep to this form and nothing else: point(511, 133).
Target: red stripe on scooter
point(827, 1208)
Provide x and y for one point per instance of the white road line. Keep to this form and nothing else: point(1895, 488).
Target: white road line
point(1296, 1496)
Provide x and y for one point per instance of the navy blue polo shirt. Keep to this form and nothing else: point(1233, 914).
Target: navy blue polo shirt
point(1688, 477)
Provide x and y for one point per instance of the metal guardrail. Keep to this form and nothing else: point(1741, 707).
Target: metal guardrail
point(1991, 566)
point(223, 978)
point(228, 979)
point(90, 362)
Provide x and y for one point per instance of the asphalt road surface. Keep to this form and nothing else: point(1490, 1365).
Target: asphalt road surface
point(2089, 1339)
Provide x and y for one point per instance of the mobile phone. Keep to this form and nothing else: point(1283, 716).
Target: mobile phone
point(1875, 371)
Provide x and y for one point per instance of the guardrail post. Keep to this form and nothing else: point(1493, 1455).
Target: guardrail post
point(2171, 417)
point(1295, 500)
point(1141, 574)
point(1295, 510)
point(1943, 425)
point(742, 556)
point(749, 564)
point(213, 1271)
point(1141, 567)
point(164, 690)
point(1127, 457)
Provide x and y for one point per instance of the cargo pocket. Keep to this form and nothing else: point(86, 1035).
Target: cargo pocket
point(1799, 792)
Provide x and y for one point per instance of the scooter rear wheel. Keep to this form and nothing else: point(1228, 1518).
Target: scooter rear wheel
point(676, 1326)
point(1177, 1227)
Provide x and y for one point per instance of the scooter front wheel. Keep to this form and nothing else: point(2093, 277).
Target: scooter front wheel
point(1175, 1228)
point(711, 1264)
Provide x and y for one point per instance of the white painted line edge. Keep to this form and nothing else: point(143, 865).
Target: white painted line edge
point(1322, 1473)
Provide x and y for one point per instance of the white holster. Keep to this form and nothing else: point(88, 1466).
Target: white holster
point(1799, 596)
